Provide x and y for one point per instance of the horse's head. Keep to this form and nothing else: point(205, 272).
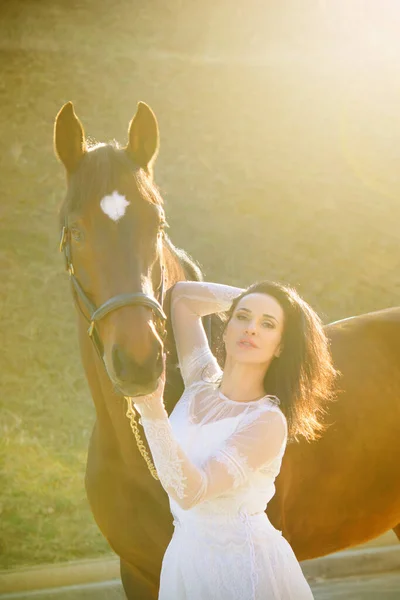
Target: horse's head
point(112, 220)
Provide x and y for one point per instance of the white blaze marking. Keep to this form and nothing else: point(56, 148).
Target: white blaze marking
point(114, 206)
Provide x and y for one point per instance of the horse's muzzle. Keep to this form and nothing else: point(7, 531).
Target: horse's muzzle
point(131, 378)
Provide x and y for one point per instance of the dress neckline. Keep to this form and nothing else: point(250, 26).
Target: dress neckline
point(221, 395)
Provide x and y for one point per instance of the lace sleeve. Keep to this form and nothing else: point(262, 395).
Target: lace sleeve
point(190, 301)
point(255, 444)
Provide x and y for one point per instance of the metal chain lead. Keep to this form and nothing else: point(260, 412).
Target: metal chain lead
point(131, 414)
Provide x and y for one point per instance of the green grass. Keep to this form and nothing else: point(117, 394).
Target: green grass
point(285, 170)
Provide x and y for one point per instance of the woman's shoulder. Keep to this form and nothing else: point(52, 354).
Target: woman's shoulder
point(271, 405)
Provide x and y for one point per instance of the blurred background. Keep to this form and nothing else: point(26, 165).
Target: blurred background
point(279, 158)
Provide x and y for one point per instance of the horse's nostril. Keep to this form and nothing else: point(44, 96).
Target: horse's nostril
point(118, 360)
point(126, 369)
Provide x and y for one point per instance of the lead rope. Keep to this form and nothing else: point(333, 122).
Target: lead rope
point(131, 414)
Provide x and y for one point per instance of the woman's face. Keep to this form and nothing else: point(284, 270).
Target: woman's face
point(254, 333)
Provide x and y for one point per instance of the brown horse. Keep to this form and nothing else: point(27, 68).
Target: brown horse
point(331, 494)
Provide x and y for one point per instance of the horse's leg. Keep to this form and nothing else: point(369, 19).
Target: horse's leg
point(136, 585)
point(397, 531)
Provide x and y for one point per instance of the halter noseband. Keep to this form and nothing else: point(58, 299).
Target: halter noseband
point(96, 314)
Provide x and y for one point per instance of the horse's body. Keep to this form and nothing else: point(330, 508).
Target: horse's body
point(344, 489)
point(331, 494)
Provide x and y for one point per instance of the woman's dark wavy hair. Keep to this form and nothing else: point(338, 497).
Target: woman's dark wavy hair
point(303, 376)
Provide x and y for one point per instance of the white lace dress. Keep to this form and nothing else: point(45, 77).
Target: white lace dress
point(217, 459)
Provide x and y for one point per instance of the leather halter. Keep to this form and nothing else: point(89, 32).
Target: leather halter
point(96, 314)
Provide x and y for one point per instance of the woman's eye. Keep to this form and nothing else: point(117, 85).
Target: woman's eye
point(241, 317)
point(268, 325)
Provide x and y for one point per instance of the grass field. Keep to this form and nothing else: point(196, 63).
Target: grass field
point(280, 153)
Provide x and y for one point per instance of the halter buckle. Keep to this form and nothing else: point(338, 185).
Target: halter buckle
point(91, 328)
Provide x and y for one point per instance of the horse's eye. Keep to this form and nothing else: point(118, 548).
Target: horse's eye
point(77, 234)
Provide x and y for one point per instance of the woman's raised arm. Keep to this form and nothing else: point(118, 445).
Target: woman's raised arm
point(191, 300)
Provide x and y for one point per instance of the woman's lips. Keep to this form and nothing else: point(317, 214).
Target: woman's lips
point(246, 344)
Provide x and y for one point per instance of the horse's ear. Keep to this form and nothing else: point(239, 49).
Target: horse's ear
point(69, 137)
point(143, 138)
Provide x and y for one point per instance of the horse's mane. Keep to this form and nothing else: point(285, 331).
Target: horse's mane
point(191, 268)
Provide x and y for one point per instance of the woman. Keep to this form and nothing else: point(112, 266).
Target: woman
point(218, 454)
